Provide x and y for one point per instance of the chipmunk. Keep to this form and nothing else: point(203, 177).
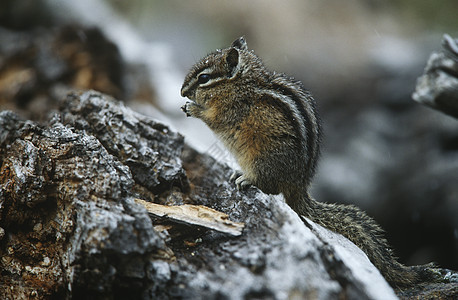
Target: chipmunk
point(270, 124)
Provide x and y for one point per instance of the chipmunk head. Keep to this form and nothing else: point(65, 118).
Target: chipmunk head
point(215, 71)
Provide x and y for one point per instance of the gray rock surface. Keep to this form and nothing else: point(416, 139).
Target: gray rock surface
point(72, 228)
point(438, 87)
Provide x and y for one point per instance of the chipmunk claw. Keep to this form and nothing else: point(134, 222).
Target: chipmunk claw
point(242, 182)
point(236, 174)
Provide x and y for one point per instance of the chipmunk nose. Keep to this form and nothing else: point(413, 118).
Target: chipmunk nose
point(184, 92)
point(187, 93)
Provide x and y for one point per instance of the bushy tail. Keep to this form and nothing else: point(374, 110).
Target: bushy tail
point(363, 231)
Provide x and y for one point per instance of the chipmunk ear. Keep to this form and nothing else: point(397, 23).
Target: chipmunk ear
point(232, 56)
point(240, 44)
point(232, 59)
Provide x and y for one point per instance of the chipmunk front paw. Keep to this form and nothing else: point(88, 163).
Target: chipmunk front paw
point(186, 108)
point(192, 109)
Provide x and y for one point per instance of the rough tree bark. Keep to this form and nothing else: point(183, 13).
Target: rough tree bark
point(438, 87)
point(70, 227)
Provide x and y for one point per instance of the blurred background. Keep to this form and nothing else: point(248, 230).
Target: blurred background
point(360, 59)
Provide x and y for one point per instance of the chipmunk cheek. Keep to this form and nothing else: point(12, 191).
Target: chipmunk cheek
point(202, 97)
point(199, 97)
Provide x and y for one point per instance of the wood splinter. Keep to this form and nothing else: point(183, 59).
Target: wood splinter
point(195, 215)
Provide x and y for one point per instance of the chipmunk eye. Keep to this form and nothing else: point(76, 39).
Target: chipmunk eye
point(203, 78)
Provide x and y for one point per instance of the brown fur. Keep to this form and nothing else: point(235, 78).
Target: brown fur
point(268, 121)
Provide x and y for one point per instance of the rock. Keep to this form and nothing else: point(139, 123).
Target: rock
point(399, 164)
point(92, 238)
point(438, 86)
point(36, 65)
point(73, 229)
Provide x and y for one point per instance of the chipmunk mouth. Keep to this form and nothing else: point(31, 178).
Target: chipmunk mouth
point(186, 93)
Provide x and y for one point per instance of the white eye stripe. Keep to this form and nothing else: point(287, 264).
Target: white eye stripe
point(205, 71)
point(210, 82)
